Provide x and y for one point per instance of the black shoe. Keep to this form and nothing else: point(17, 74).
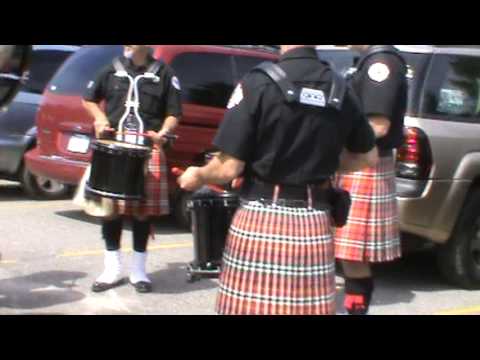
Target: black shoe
point(99, 287)
point(142, 287)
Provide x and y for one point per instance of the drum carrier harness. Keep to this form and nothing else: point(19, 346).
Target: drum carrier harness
point(132, 102)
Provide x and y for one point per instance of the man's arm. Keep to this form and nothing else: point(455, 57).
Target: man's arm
point(352, 162)
point(220, 170)
point(380, 125)
point(101, 121)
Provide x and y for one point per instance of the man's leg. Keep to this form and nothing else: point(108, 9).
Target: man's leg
point(112, 274)
point(141, 232)
point(359, 286)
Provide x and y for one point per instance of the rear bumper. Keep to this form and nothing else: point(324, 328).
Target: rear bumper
point(430, 209)
point(55, 167)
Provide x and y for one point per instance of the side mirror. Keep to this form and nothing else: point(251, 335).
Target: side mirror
point(14, 63)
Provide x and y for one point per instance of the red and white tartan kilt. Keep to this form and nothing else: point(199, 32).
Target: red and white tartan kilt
point(156, 190)
point(278, 261)
point(372, 231)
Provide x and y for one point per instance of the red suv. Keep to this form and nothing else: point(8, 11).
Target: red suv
point(207, 74)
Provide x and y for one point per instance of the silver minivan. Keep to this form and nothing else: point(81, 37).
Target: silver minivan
point(438, 167)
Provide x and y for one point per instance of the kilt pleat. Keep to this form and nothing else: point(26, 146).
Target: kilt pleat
point(278, 261)
point(156, 202)
point(372, 232)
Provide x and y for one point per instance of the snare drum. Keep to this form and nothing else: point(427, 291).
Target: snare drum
point(118, 170)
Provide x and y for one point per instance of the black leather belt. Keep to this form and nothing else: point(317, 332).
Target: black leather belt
point(288, 195)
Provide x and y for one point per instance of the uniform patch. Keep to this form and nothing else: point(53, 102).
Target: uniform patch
point(236, 98)
point(90, 84)
point(176, 83)
point(312, 97)
point(378, 72)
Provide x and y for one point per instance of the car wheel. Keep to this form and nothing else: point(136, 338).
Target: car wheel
point(459, 259)
point(181, 213)
point(41, 188)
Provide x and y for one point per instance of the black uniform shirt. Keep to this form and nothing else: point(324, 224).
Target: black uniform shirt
point(381, 85)
point(157, 100)
point(291, 143)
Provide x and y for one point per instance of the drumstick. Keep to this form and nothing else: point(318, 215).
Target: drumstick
point(179, 172)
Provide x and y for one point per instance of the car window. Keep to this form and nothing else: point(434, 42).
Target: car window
point(44, 64)
point(243, 64)
point(206, 79)
point(81, 68)
point(453, 89)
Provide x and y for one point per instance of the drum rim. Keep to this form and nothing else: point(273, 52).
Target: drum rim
point(114, 145)
point(114, 196)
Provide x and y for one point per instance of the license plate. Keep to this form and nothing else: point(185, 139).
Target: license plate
point(79, 144)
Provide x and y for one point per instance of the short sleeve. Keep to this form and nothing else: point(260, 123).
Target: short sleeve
point(382, 85)
point(173, 95)
point(236, 135)
point(96, 89)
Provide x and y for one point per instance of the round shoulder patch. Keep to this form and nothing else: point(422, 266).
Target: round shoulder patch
point(236, 98)
point(378, 72)
point(176, 83)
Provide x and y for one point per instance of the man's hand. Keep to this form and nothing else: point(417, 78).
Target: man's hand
point(158, 138)
point(191, 180)
point(101, 125)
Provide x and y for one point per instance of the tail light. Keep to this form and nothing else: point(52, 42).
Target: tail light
point(414, 158)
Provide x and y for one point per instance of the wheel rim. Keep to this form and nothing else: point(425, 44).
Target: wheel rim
point(49, 186)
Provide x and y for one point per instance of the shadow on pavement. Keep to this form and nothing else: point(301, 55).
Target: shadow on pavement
point(173, 280)
point(40, 290)
point(12, 192)
point(163, 226)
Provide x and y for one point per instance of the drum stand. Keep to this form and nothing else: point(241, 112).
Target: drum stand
point(196, 273)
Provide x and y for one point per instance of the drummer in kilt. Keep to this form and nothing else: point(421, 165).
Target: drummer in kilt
point(372, 232)
point(160, 110)
point(279, 257)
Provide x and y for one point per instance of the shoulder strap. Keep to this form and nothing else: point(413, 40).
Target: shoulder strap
point(291, 92)
point(118, 66)
point(338, 91)
point(155, 67)
point(279, 77)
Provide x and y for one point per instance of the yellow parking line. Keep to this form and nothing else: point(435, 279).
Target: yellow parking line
point(127, 250)
point(33, 206)
point(462, 311)
point(7, 262)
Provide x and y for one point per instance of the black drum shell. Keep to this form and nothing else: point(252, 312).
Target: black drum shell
point(212, 215)
point(118, 171)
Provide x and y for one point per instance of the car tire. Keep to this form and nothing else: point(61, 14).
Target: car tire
point(181, 213)
point(459, 258)
point(40, 188)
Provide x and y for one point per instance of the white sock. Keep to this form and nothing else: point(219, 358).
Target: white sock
point(138, 273)
point(113, 268)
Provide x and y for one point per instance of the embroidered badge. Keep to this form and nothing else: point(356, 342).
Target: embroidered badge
point(236, 98)
point(379, 72)
point(176, 83)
